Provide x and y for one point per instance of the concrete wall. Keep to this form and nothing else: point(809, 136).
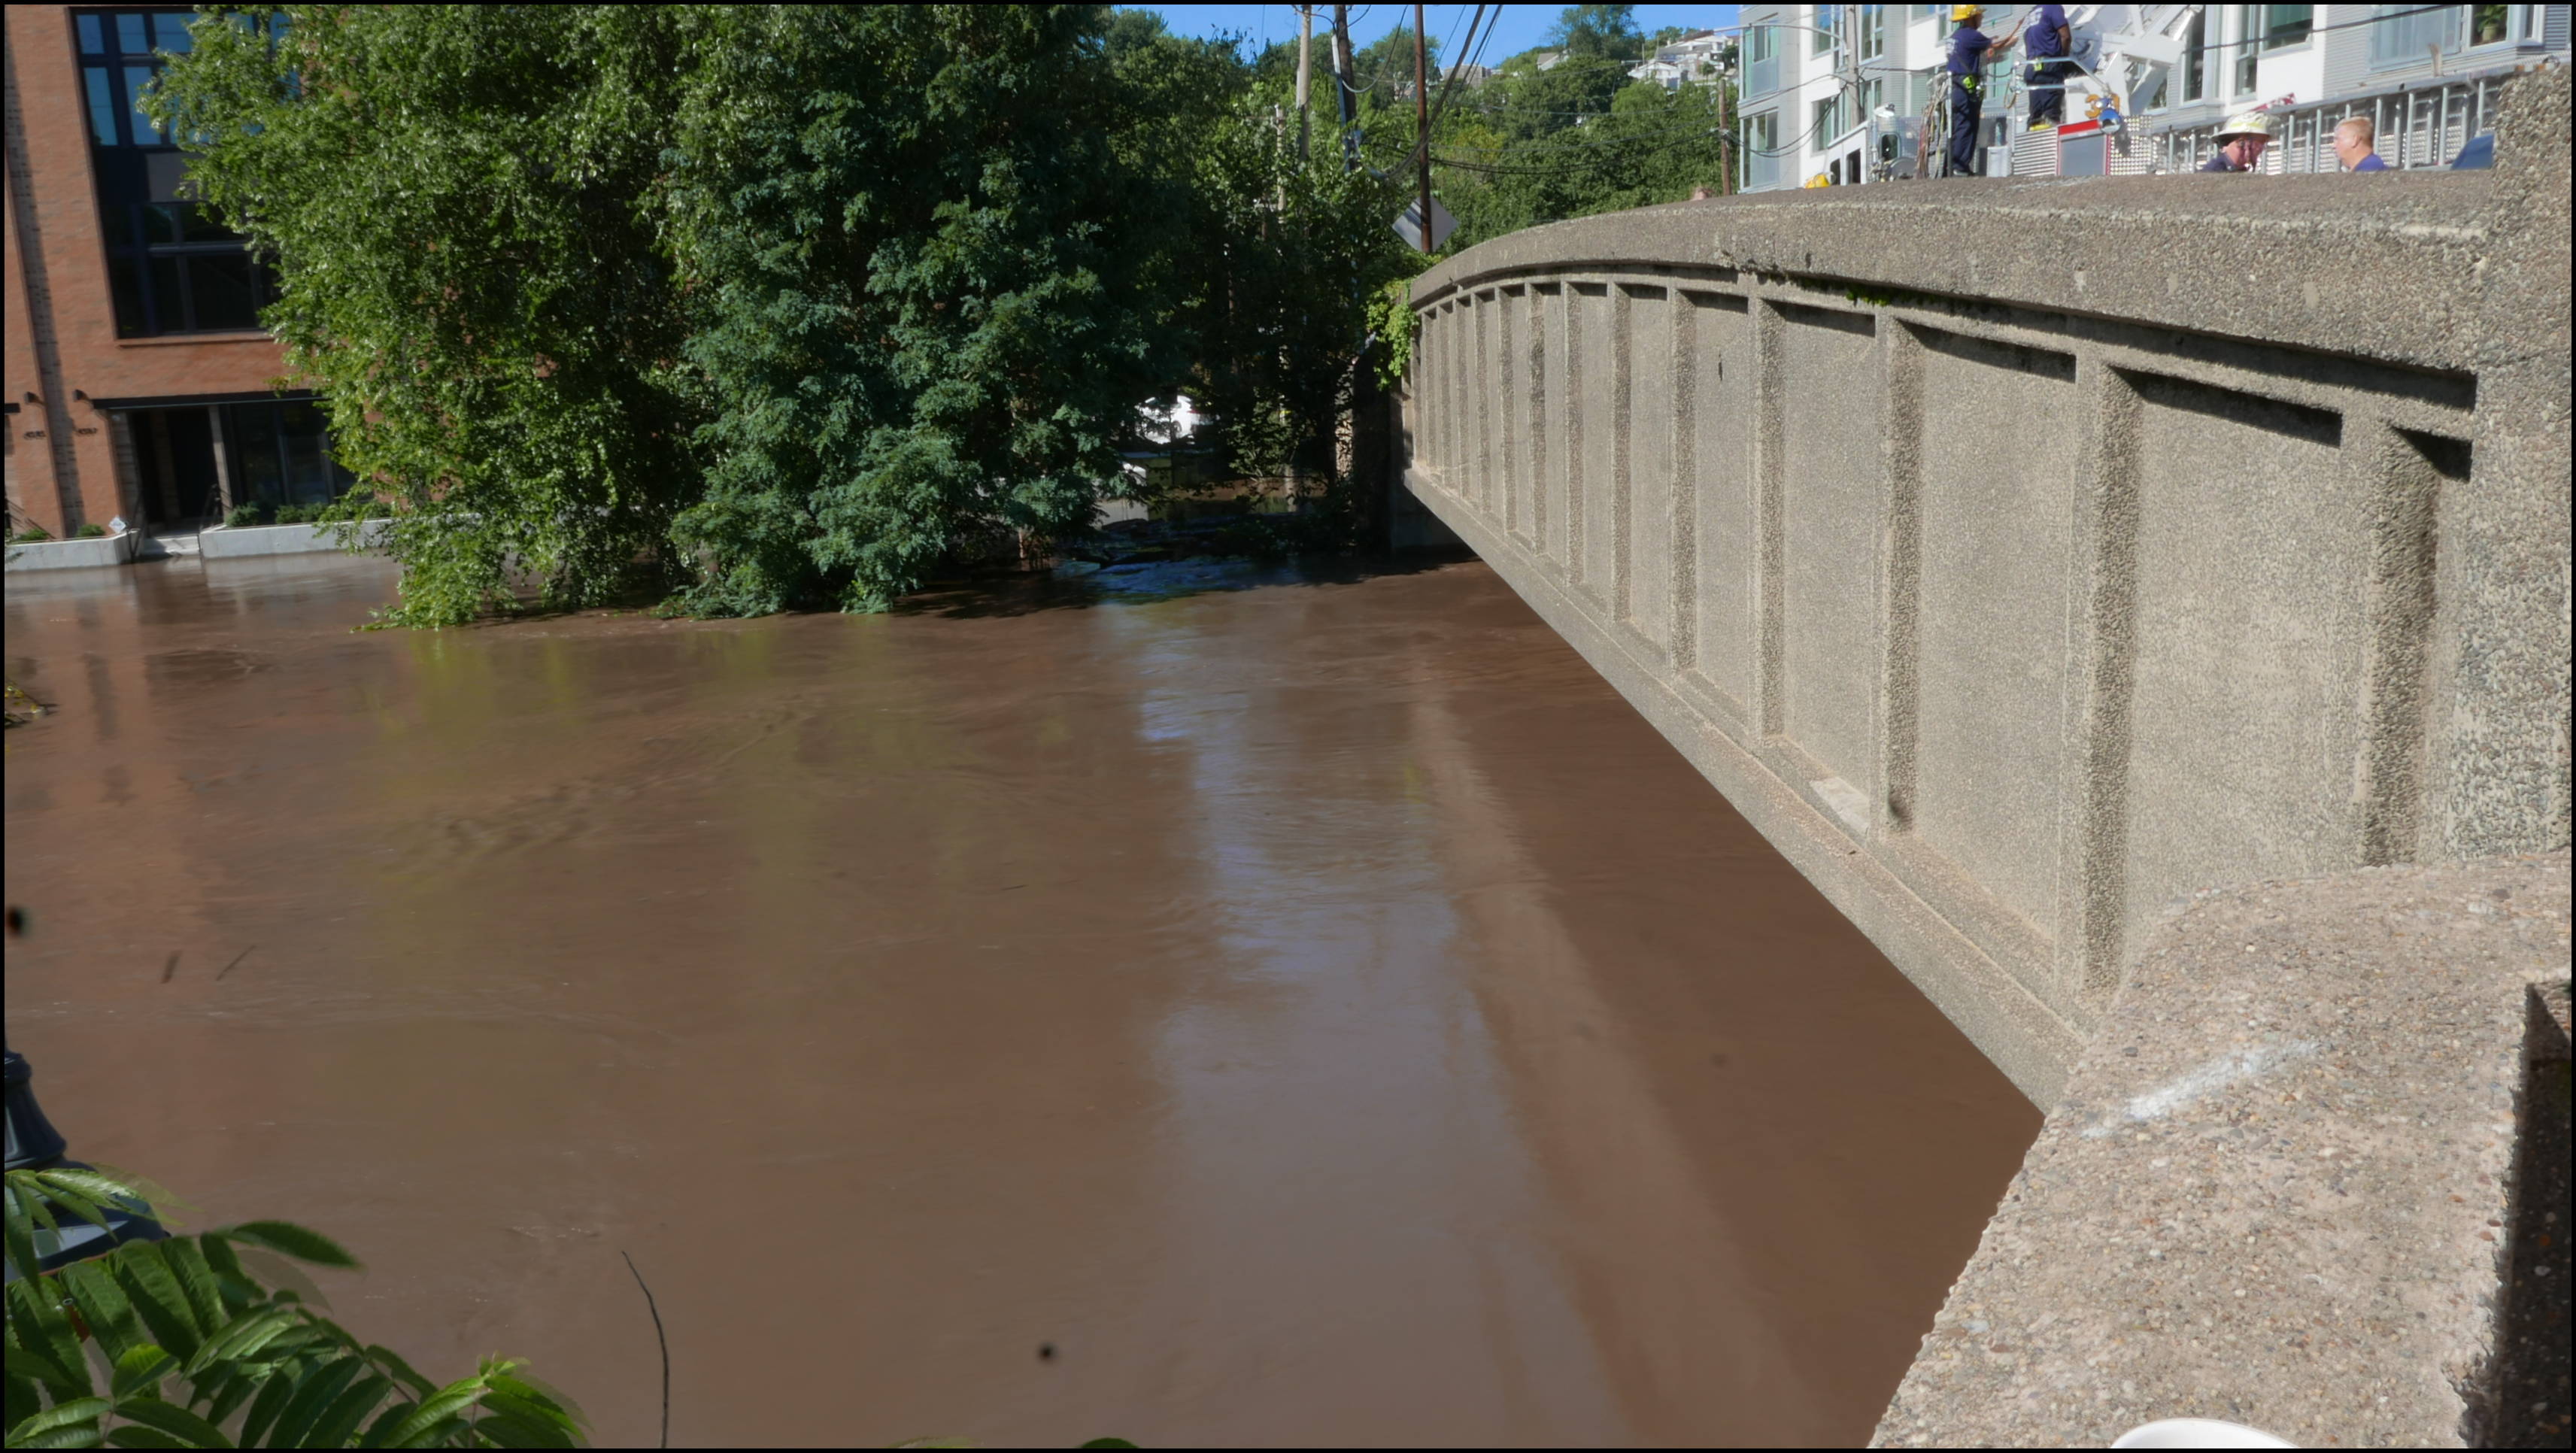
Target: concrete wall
point(2023, 557)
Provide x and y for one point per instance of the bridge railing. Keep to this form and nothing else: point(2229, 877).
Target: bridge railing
point(2024, 557)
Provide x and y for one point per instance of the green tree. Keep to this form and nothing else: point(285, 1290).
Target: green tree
point(777, 306)
point(1605, 31)
point(924, 284)
point(451, 193)
point(1383, 68)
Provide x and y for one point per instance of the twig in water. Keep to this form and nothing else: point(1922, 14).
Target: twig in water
point(658, 1337)
point(169, 968)
point(237, 958)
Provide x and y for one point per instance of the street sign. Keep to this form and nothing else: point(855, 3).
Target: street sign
point(1409, 226)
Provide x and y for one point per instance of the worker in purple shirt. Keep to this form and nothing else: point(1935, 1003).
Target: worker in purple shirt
point(2356, 145)
point(2046, 35)
point(1969, 47)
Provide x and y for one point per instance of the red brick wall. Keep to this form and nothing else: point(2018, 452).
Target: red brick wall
point(50, 139)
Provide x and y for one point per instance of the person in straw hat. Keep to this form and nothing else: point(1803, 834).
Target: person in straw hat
point(2240, 143)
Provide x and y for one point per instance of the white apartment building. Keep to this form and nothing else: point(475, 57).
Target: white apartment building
point(1814, 76)
point(1690, 60)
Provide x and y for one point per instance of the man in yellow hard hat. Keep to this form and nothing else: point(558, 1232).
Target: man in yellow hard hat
point(2240, 143)
point(1969, 50)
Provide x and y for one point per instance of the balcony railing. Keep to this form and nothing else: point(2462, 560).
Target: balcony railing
point(2420, 125)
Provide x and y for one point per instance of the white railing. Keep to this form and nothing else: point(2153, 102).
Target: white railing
point(2420, 125)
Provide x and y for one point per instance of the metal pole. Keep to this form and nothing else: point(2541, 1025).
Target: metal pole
point(1344, 82)
point(1422, 120)
point(1305, 73)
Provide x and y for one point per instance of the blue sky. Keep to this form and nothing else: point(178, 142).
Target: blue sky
point(1521, 26)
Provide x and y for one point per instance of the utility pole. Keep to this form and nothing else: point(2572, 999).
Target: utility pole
point(1422, 121)
point(1344, 86)
point(1305, 73)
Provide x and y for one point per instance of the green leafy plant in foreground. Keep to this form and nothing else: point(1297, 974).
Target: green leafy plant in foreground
point(177, 1344)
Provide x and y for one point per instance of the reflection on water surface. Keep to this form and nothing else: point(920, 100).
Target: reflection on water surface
point(1320, 1009)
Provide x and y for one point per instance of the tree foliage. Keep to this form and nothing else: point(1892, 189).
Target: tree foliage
point(769, 305)
point(451, 193)
point(178, 1344)
point(926, 286)
point(761, 307)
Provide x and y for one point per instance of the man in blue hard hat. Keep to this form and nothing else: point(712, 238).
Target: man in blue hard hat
point(1969, 49)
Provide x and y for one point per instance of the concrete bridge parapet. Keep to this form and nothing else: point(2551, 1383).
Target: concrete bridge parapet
point(2025, 557)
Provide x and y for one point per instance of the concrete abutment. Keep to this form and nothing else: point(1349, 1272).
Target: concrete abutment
point(2026, 559)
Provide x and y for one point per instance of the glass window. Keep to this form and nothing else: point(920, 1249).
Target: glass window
point(138, 80)
point(219, 286)
point(1827, 21)
point(2288, 25)
point(252, 428)
point(304, 441)
point(1826, 123)
point(172, 268)
point(2245, 52)
point(2490, 24)
point(102, 105)
point(1761, 149)
point(166, 309)
point(2400, 38)
point(165, 176)
point(1873, 32)
point(197, 224)
point(282, 454)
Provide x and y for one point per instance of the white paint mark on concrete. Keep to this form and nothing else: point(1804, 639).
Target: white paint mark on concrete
point(2205, 1079)
point(1848, 802)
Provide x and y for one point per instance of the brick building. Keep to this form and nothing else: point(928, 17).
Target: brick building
point(139, 385)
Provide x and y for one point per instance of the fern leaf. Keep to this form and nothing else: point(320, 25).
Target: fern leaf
point(103, 1305)
point(191, 1431)
point(139, 1368)
point(307, 1406)
point(339, 1422)
point(75, 1413)
point(197, 1279)
point(158, 1298)
point(288, 1239)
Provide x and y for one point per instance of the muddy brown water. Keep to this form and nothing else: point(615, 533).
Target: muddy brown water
point(1320, 1011)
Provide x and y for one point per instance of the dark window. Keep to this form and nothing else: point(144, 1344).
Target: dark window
point(281, 454)
point(172, 267)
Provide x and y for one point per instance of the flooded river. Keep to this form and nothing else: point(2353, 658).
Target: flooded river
point(1316, 1012)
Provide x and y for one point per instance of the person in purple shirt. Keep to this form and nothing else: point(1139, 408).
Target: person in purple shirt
point(2047, 38)
point(2356, 145)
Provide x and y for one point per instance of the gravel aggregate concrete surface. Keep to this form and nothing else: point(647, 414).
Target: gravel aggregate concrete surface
point(2281, 1189)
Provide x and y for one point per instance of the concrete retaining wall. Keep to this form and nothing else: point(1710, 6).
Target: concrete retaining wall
point(74, 554)
point(2023, 557)
point(220, 542)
